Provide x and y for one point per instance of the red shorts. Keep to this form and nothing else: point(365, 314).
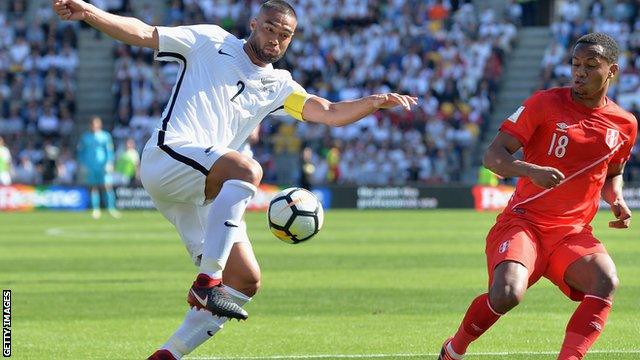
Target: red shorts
point(543, 252)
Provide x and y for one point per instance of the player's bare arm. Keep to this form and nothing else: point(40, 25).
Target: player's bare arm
point(612, 194)
point(320, 110)
point(499, 159)
point(129, 30)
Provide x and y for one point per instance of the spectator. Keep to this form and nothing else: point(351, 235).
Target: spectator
point(308, 168)
point(286, 149)
point(50, 162)
point(26, 172)
point(38, 60)
point(66, 168)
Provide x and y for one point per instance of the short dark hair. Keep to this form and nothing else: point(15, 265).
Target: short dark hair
point(280, 6)
point(610, 46)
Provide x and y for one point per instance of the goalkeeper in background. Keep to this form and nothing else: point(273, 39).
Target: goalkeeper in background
point(95, 156)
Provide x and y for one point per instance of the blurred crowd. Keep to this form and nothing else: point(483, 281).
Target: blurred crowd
point(446, 53)
point(621, 20)
point(38, 60)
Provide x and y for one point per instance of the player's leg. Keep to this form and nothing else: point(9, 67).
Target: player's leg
point(511, 252)
point(178, 173)
point(95, 198)
point(110, 197)
point(509, 285)
point(585, 272)
point(242, 275)
point(231, 183)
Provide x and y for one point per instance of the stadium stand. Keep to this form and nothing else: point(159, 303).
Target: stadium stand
point(451, 57)
point(38, 58)
point(451, 54)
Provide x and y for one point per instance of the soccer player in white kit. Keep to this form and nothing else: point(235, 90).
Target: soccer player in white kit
point(191, 167)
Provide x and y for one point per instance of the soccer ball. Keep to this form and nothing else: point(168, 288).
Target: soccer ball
point(295, 215)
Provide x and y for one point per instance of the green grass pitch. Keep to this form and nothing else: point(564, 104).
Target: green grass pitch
point(371, 285)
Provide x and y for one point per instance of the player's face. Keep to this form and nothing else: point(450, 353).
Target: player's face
point(590, 71)
point(96, 125)
point(271, 34)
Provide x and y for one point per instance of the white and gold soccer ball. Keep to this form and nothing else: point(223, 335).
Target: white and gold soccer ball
point(295, 215)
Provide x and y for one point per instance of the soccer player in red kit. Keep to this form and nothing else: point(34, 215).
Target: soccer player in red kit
point(575, 142)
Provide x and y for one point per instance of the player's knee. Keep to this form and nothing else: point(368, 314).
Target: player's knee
point(606, 285)
point(248, 285)
point(505, 298)
point(250, 171)
point(251, 288)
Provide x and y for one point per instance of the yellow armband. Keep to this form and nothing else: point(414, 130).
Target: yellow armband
point(294, 103)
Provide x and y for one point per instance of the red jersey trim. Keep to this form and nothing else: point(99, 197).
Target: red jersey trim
point(620, 161)
point(506, 129)
point(545, 191)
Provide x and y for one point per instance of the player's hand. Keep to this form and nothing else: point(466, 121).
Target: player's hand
point(545, 176)
point(622, 213)
point(391, 100)
point(70, 9)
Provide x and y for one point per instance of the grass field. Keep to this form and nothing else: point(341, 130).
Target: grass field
point(379, 284)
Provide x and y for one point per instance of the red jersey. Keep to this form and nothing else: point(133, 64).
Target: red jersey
point(581, 142)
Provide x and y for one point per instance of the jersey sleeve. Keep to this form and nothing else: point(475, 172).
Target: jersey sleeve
point(184, 39)
point(524, 121)
point(624, 153)
point(292, 100)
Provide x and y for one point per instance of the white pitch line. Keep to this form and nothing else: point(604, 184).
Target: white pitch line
point(101, 233)
point(377, 356)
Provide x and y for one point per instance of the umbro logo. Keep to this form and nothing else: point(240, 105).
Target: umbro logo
point(562, 127)
point(267, 81)
point(229, 224)
point(224, 53)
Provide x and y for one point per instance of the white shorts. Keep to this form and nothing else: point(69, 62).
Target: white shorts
point(177, 172)
point(174, 176)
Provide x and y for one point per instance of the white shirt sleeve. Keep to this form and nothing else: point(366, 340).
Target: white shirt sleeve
point(290, 86)
point(184, 40)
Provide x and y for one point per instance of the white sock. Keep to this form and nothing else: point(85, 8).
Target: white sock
point(237, 297)
point(199, 326)
point(223, 225)
point(241, 235)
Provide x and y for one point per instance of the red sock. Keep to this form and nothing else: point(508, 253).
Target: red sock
point(479, 317)
point(584, 327)
point(204, 280)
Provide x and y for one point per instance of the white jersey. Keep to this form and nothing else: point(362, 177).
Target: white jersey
point(220, 95)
